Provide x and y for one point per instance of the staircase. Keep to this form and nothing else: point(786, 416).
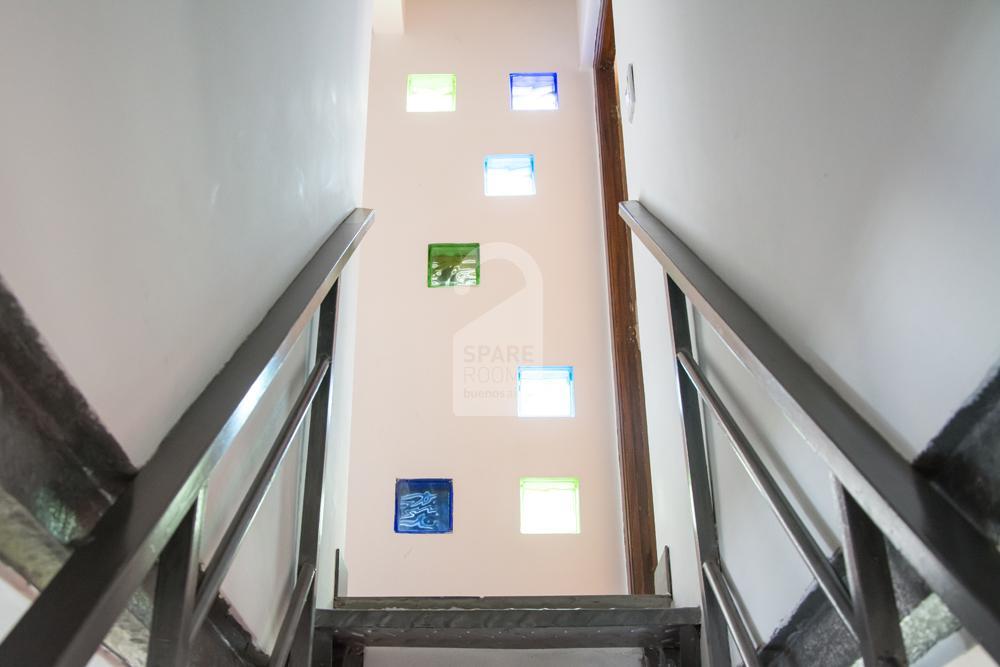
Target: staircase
point(116, 528)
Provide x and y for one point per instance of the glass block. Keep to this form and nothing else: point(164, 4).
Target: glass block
point(423, 506)
point(452, 264)
point(534, 91)
point(431, 92)
point(550, 505)
point(509, 175)
point(545, 391)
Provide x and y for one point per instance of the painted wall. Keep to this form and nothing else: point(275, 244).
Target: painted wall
point(837, 165)
point(542, 293)
point(587, 16)
point(165, 171)
point(333, 534)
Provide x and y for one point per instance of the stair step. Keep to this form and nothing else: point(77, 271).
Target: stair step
point(508, 602)
point(601, 621)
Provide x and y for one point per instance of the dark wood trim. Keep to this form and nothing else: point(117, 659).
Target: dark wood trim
point(633, 445)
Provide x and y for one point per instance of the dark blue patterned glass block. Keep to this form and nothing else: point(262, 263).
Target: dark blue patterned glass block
point(423, 506)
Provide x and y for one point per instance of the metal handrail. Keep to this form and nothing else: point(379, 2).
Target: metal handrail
point(953, 556)
point(723, 592)
point(217, 568)
point(827, 578)
point(293, 614)
point(70, 618)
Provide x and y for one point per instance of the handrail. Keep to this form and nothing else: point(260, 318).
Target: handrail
point(951, 554)
point(723, 592)
point(72, 615)
point(819, 566)
point(289, 624)
point(217, 568)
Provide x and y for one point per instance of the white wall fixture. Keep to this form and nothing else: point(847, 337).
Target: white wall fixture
point(628, 93)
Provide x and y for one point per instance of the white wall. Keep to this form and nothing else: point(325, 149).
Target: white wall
point(424, 175)
point(837, 165)
point(667, 462)
point(588, 14)
point(165, 171)
point(333, 534)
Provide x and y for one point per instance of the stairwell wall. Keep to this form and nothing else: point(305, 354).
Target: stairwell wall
point(165, 171)
point(542, 293)
point(837, 165)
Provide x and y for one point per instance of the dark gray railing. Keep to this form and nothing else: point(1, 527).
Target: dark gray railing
point(881, 495)
point(159, 515)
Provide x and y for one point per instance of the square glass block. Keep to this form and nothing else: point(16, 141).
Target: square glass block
point(509, 175)
point(550, 505)
point(534, 91)
point(431, 92)
point(545, 391)
point(452, 264)
point(423, 506)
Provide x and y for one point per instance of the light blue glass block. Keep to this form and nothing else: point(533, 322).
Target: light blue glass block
point(534, 91)
point(545, 391)
point(509, 175)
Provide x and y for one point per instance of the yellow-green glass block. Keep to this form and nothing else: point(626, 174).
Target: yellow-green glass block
point(550, 506)
point(431, 92)
point(452, 264)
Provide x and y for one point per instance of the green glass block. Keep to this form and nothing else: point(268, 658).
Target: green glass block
point(431, 92)
point(452, 264)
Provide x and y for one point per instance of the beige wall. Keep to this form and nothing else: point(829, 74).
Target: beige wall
point(543, 288)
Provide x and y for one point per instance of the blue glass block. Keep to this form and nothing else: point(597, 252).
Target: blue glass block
point(423, 506)
point(545, 391)
point(509, 175)
point(534, 91)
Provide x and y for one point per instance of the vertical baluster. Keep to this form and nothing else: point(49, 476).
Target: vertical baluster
point(699, 478)
point(322, 650)
point(176, 586)
point(875, 612)
point(312, 495)
point(689, 646)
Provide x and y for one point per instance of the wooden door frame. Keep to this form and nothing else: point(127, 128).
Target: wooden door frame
point(633, 443)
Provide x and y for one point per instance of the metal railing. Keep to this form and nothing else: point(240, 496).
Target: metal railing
point(881, 495)
point(159, 515)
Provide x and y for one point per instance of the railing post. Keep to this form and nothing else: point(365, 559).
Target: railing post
point(176, 587)
point(699, 479)
point(689, 649)
point(876, 616)
point(312, 494)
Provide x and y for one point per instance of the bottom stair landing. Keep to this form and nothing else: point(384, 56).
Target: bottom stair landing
point(551, 622)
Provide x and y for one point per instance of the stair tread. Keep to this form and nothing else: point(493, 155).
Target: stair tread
point(508, 622)
point(508, 602)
